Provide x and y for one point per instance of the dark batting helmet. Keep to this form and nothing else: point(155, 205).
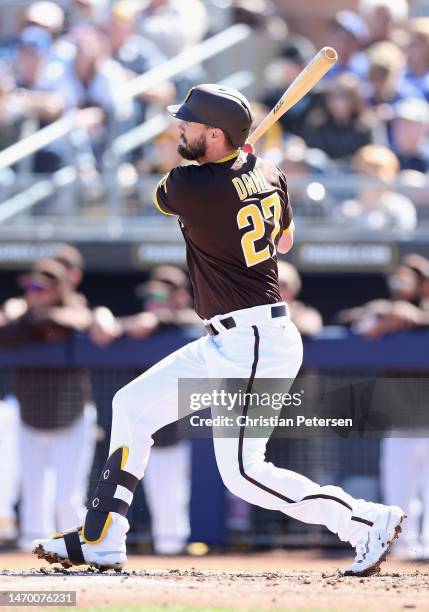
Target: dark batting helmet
point(217, 106)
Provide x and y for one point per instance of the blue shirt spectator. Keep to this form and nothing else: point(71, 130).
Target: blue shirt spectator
point(409, 134)
point(418, 56)
point(348, 34)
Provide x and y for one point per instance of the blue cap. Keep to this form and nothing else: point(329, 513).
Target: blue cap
point(37, 38)
point(352, 23)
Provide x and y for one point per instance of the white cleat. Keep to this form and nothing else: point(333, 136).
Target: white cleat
point(100, 556)
point(371, 550)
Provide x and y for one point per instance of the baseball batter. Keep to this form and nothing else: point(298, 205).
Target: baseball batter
point(235, 215)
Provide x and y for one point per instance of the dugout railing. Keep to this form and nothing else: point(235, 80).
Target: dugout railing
point(217, 517)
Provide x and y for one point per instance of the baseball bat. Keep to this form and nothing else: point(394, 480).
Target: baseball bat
point(300, 86)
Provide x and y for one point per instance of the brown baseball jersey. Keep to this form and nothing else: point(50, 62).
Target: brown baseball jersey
point(232, 213)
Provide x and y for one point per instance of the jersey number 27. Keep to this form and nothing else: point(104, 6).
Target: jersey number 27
point(252, 215)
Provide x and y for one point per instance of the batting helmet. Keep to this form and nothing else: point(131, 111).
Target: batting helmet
point(217, 106)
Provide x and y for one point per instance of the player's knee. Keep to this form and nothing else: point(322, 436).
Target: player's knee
point(233, 479)
point(135, 408)
point(121, 402)
point(242, 479)
point(233, 483)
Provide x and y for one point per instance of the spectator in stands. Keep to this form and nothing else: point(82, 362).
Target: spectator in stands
point(10, 116)
point(348, 34)
point(103, 320)
point(344, 126)
point(93, 82)
point(72, 260)
point(39, 98)
point(33, 53)
point(383, 18)
point(410, 134)
point(418, 55)
point(166, 295)
point(377, 206)
point(307, 319)
point(90, 12)
point(413, 184)
point(45, 14)
point(280, 74)
point(299, 160)
point(386, 85)
point(51, 17)
point(260, 15)
point(407, 307)
point(173, 25)
point(161, 155)
point(294, 160)
point(136, 54)
point(56, 435)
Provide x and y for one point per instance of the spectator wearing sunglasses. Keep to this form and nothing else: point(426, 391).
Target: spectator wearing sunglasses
point(406, 308)
point(55, 435)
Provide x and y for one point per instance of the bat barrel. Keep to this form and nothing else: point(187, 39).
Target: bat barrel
point(302, 84)
point(330, 54)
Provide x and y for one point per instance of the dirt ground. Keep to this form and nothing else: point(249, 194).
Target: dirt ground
point(286, 580)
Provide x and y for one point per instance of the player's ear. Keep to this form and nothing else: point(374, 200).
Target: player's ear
point(215, 133)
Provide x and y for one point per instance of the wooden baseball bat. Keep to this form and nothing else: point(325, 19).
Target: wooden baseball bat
point(300, 86)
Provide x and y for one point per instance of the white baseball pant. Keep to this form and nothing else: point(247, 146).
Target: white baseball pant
point(259, 347)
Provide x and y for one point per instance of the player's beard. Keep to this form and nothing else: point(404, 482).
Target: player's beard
point(193, 151)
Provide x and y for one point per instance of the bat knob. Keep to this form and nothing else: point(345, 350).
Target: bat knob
point(248, 148)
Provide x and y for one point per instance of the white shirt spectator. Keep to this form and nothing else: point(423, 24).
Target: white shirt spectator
point(392, 211)
point(104, 90)
point(174, 25)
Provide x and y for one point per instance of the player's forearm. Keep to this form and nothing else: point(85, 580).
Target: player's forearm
point(286, 242)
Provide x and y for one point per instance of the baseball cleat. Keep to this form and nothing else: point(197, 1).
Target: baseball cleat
point(372, 550)
point(101, 556)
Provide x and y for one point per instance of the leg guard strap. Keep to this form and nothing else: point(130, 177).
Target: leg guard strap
point(103, 502)
point(115, 476)
point(73, 547)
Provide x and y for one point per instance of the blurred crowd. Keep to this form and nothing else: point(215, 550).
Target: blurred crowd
point(369, 116)
point(81, 60)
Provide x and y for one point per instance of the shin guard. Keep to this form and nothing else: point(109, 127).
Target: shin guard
point(102, 503)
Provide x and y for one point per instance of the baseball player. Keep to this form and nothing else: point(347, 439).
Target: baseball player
point(235, 215)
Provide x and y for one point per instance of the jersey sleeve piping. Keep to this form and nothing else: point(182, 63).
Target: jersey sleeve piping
point(160, 185)
point(291, 228)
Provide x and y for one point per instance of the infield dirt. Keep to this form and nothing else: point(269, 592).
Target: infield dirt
point(272, 581)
